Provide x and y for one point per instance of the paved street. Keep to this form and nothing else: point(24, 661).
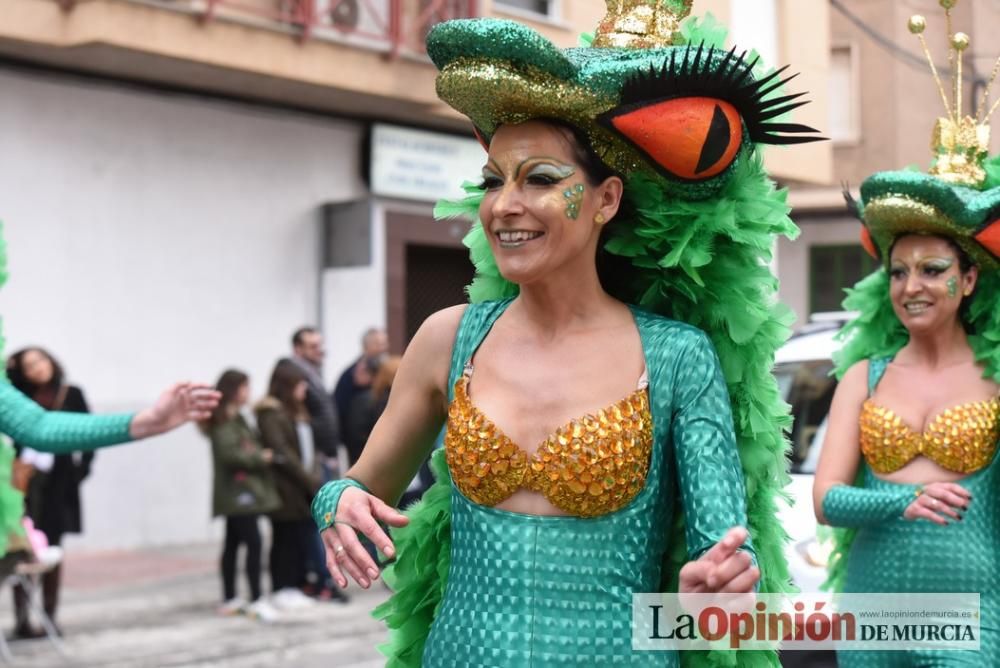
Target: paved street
point(157, 608)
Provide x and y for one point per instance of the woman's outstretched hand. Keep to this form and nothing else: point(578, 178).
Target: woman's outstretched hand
point(723, 569)
point(938, 501)
point(178, 404)
point(358, 511)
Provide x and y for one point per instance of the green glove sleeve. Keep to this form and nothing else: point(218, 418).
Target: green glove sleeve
point(849, 506)
point(324, 506)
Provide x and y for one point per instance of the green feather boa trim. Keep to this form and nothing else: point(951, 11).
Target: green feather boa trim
point(705, 263)
point(877, 332)
point(420, 572)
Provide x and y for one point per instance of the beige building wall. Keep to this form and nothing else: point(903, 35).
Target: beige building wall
point(899, 100)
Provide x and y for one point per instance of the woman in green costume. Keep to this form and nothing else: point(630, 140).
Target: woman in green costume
point(29, 424)
point(589, 448)
point(908, 469)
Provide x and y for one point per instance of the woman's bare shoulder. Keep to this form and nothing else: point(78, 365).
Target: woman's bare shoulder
point(854, 383)
point(442, 326)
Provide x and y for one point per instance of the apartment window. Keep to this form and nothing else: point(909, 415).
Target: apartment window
point(832, 269)
point(544, 7)
point(845, 95)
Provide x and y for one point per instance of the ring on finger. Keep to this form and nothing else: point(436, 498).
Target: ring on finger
point(338, 550)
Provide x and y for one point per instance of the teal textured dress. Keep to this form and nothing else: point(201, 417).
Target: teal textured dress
point(538, 591)
point(899, 555)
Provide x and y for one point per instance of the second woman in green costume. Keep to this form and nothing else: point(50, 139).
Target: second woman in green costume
point(908, 471)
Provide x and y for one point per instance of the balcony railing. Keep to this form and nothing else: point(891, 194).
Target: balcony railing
point(394, 27)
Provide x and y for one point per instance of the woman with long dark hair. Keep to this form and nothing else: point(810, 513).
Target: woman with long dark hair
point(53, 494)
point(283, 420)
point(243, 490)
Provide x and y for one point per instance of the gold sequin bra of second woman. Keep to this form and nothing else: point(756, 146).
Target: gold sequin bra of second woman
point(591, 466)
point(962, 439)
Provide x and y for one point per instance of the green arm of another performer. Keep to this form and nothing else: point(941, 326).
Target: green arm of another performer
point(849, 506)
point(51, 431)
point(709, 471)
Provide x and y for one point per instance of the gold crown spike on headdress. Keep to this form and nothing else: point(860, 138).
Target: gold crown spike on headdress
point(960, 143)
point(642, 24)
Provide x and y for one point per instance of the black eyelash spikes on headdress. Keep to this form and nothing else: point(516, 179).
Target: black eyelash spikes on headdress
point(705, 71)
point(853, 205)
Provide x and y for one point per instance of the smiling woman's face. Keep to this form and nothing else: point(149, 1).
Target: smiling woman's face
point(540, 212)
point(926, 283)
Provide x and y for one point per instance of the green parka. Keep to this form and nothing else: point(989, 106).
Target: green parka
point(296, 486)
point(244, 483)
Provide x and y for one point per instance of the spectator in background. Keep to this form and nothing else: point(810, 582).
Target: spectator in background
point(243, 490)
point(285, 428)
point(307, 355)
point(53, 498)
point(367, 405)
point(356, 380)
point(366, 410)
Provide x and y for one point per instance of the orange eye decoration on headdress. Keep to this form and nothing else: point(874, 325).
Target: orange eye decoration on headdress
point(690, 137)
point(989, 237)
point(854, 208)
point(688, 116)
point(868, 243)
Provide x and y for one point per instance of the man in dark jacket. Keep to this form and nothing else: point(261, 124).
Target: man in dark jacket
point(307, 354)
point(355, 380)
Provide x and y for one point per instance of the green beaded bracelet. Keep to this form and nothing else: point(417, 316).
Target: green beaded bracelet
point(324, 506)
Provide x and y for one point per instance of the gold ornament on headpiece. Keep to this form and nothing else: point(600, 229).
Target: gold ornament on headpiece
point(960, 143)
point(642, 24)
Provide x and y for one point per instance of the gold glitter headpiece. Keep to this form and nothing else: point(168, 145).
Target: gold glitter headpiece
point(960, 143)
point(642, 24)
point(645, 99)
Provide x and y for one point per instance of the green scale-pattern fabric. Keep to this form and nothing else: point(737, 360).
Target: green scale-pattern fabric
point(526, 590)
point(28, 423)
point(900, 555)
point(324, 504)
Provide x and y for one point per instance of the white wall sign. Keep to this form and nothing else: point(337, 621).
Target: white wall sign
point(421, 165)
